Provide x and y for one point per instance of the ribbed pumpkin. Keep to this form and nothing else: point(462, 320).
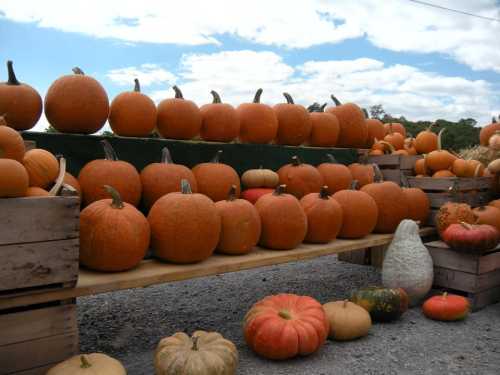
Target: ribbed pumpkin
point(397, 140)
point(363, 173)
point(375, 129)
point(294, 122)
point(114, 235)
point(325, 128)
point(119, 174)
point(253, 194)
point(178, 118)
point(14, 179)
point(254, 178)
point(88, 364)
point(214, 179)
point(42, 167)
point(324, 216)
point(185, 226)
point(284, 223)
point(487, 131)
point(439, 159)
point(426, 141)
point(240, 225)
point(76, 103)
point(219, 121)
point(132, 114)
point(475, 168)
point(395, 127)
point(335, 175)
point(20, 104)
point(410, 146)
point(11, 143)
point(353, 130)
point(258, 122)
point(453, 213)
point(300, 178)
point(158, 179)
point(348, 321)
point(487, 215)
point(446, 307)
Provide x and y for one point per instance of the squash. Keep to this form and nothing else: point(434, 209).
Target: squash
point(487, 215)
point(11, 142)
point(214, 179)
point(426, 141)
point(284, 223)
point(76, 103)
point(348, 321)
point(294, 122)
point(300, 178)
point(89, 364)
point(185, 226)
point(201, 354)
point(474, 168)
point(284, 326)
point(114, 235)
point(453, 213)
point(253, 194)
point(119, 174)
point(409, 146)
point(240, 225)
point(20, 104)
point(219, 121)
point(494, 167)
point(383, 304)
point(446, 307)
point(487, 131)
point(42, 167)
point(395, 127)
point(439, 159)
point(362, 173)
point(324, 128)
point(353, 130)
point(471, 238)
point(255, 178)
point(14, 179)
point(258, 122)
point(336, 176)
point(132, 114)
point(178, 118)
point(394, 138)
point(375, 129)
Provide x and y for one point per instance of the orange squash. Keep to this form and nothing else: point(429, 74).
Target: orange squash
point(397, 140)
point(353, 130)
point(396, 128)
point(426, 141)
point(418, 202)
point(11, 143)
point(439, 159)
point(294, 122)
point(258, 122)
point(336, 176)
point(14, 179)
point(219, 121)
point(324, 128)
point(300, 178)
point(362, 173)
point(475, 168)
point(487, 131)
point(487, 215)
point(375, 129)
point(42, 167)
point(410, 146)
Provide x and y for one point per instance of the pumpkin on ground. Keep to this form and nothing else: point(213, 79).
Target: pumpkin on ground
point(487, 215)
point(300, 178)
point(214, 179)
point(395, 127)
point(114, 235)
point(375, 129)
point(348, 321)
point(426, 141)
point(119, 174)
point(439, 159)
point(132, 114)
point(363, 173)
point(258, 122)
point(20, 104)
point(42, 167)
point(76, 103)
point(446, 307)
point(219, 121)
point(285, 326)
point(201, 354)
point(471, 238)
point(335, 175)
point(383, 304)
point(11, 142)
point(453, 213)
point(487, 131)
point(353, 130)
point(178, 118)
point(294, 122)
point(256, 178)
point(185, 226)
point(253, 194)
point(14, 179)
point(324, 128)
point(86, 364)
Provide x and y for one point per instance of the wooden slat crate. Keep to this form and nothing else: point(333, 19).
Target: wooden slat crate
point(477, 276)
point(394, 166)
point(29, 145)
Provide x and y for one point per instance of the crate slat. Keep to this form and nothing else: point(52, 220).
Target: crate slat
point(473, 199)
point(485, 298)
point(37, 371)
point(444, 184)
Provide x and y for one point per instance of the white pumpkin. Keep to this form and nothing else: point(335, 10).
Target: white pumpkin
point(89, 364)
point(408, 264)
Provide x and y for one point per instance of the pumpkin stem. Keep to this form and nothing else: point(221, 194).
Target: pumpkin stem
point(231, 196)
point(256, 98)
point(77, 70)
point(354, 185)
point(322, 108)
point(314, 107)
point(378, 173)
point(466, 225)
point(389, 145)
point(84, 362)
point(115, 196)
point(165, 156)
point(109, 152)
point(284, 314)
point(440, 145)
point(366, 113)
point(137, 85)
point(335, 100)
point(296, 161)
point(331, 159)
point(445, 294)
point(280, 189)
point(60, 178)
point(431, 126)
point(217, 156)
point(323, 193)
point(288, 98)
point(195, 342)
point(185, 187)
point(178, 92)
point(216, 97)
point(12, 80)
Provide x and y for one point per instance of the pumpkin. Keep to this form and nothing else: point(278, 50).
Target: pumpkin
point(452, 213)
point(375, 129)
point(258, 122)
point(494, 141)
point(336, 176)
point(443, 174)
point(201, 354)
point(71, 180)
point(324, 128)
point(426, 141)
point(119, 174)
point(460, 168)
point(185, 226)
point(383, 304)
point(324, 216)
point(178, 118)
point(353, 130)
point(418, 204)
point(85, 364)
point(214, 179)
point(439, 159)
point(487, 131)
point(20, 104)
point(494, 166)
point(300, 178)
point(294, 123)
point(359, 212)
point(252, 195)
point(132, 114)
point(254, 178)
point(376, 152)
point(114, 235)
point(487, 215)
point(475, 168)
point(42, 167)
point(284, 326)
point(240, 225)
point(446, 307)
point(363, 173)
point(284, 222)
point(219, 121)
point(348, 321)
point(397, 140)
point(471, 238)
point(14, 179)
point(379, 146)
point(34, 191)
point(409, 146)
point(158, 179)
point(76, 103)
point(395, 127)
point(495, 203)
point(11, 143)
point(421, 167)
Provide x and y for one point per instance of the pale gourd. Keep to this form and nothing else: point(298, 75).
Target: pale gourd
point(407, 263)
point(348, 321)
point(261, 177)
point(89, 364)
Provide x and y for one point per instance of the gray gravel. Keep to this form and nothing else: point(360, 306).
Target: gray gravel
point(129, 324)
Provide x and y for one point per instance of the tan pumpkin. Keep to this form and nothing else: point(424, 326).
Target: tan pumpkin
point(300, 178)
point(348, 321)
point(254, 178)
point(42, 167)
point(11, 142)
point(14, 179)
point(494, 141)
point(335, 175)
point(89, 364)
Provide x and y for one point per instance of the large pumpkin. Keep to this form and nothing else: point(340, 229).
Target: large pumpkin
point(214, 179)
point(426, 141)
point(76, 103)
point(439, 159)
point(256, 178)
point(219, 121)
point(348, 321)
point(178, 118)
point(258, 122)
point(383, 304)
point(114, 235)
point(487, 131)
point(42, 167)
point(294, 122)
point(285, 325)
point(113, 172)
point(335, 175)
point(158, 179)
point(284, 223)
point(300, 178)
point(11, 143)
point(375, 129)
point(487, 215)
point(14, 179)
point(20, 104)
point(86, 364)
point(353, 130)
point(132, 114)
point(185, 227)
point(453, 213)
point(363, 173)
point(324, 128)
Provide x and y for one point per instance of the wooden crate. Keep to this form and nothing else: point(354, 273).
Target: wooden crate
point(477, 276)
point(393, 167)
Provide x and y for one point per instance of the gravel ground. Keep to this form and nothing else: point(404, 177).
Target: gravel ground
point(129, 324)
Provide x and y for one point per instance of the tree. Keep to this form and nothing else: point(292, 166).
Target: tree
point(377, 111)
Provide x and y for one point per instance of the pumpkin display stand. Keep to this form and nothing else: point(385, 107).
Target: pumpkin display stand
point(393, 167)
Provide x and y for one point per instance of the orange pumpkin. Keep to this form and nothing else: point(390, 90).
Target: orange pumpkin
point(300, 178)
point(426, 141)
point(324, 128)
point(421, 167)
point(495, 203)
point(76, 103)
point(475, 168)
point(34, 191)
point(487, 215)
point(353, 130)
point(460, 168)
point(443, 174)
point(395, 127)
point(20, 104)
point(397, 140)
point(446, 307)
point(410, 146)
point(453, 213)
point(375, 129)
point(376, 152)
point(14, 179)
point(294, 123)
point(219, 121)
point(336, 176)
point(439, 159)
point(178, 118)
point(11, 143)
point(42, 167)
point(487, 131)
point(362, 173)
point(258, 122)
point(418, 203)
point(494, 141)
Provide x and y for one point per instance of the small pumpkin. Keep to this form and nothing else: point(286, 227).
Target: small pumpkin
point(494, 141)
point(460, 168)
point(86, 364)
point(300, 178)
point(475, 168)
point(421, 167)
point(426, 141)
point(42, 167)
point(348, 321)
point(397, 140)
point(395, 127)
point(446, 307)
point(494, 166)
point(219, 121)
point(375, 129)
point(383, 304)
point(453, 213)
point(294, 122)
point(34, 191)
point(362, 173)
point(444, 173)
point(324, 127)
point(258, 122)
point(255, 178)
point(487, 131)
point(487, 215)
point(284, 326)
point(253, 194)
point(14, 179)
point(11, 142)
point(353, 129)
point(471, 238)
point(336, 176)
point(439, 159)
point(409, 146)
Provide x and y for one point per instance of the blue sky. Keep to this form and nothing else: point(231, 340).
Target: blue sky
point(416, 61)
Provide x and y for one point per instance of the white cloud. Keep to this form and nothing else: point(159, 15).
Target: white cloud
point(147, 74)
